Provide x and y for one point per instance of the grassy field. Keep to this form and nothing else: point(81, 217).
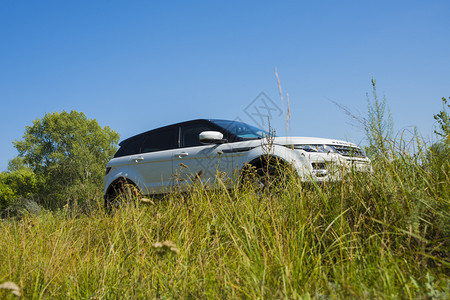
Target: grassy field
point(376, 235)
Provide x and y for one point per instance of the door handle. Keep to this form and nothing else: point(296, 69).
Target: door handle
point(137, 159)
point(182, 154)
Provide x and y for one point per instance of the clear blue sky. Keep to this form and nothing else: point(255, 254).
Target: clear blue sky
point(137, 65)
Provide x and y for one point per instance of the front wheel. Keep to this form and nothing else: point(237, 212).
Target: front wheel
point(264, 178)
point(120, 194)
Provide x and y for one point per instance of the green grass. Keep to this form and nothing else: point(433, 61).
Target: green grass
point(380, 235)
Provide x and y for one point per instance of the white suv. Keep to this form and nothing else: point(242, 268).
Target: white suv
point(155, 161)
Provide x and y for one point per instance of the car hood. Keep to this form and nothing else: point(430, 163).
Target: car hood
point(287, 141)
point(310, 141)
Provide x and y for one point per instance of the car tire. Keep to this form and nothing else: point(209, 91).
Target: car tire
point(263, 178)
point(121, 193)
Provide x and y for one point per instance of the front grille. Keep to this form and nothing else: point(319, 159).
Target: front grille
point(327, 148)
point(349, 151)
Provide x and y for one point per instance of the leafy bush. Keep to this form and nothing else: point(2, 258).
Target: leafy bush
point(68, 152)
point(18, 183)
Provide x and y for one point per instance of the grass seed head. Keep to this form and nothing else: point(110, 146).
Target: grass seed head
point(9, 285)
point(165, 247)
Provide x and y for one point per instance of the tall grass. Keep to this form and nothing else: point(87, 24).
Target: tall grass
point(384, 234)
point(373, 235)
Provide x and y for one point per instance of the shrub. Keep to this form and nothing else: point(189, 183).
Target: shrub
point(68, 152)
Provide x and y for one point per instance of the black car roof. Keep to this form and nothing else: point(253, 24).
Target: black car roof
point(163, 127)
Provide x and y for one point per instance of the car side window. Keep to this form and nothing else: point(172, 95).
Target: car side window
point(131, 147)
point(160, 140)
point(189, 134)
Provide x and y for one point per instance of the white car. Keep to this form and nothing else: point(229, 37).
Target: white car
point(176, 155)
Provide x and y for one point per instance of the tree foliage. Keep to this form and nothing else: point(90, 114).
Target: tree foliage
point(443, 119)
point(20, 183)
point(439, 153)
point(16, 164)
point(69, 153)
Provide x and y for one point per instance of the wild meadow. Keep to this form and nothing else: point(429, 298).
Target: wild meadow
point(372, 235)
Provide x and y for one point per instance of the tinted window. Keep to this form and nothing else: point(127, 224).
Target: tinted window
point(241, 130)
point(189, 134)
point(160, 140)
point(130, 147)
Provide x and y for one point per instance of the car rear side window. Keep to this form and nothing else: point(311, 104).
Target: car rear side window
point(132, 146)
point(160, 140)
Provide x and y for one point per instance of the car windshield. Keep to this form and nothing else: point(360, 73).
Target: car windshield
point(241, 130)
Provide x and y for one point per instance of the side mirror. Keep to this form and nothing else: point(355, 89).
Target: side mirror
point(211, 137)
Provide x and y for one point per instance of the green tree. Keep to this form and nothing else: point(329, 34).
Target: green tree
point(438, 155)
point(16, 164)
point(19, 182)
point(443, 119)
point(441, 148)
point(68, 152)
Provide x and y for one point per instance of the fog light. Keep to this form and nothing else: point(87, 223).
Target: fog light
point(320, 173)
point(319, 169)
point(319, 166)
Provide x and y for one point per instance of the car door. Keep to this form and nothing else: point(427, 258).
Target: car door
point(194, 161)
point(154, 162)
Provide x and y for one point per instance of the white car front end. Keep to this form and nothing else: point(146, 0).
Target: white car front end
point(315, 159)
